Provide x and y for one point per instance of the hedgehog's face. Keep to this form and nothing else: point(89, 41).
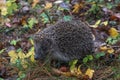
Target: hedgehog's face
point(42, 48)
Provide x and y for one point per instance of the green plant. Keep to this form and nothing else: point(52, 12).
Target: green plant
point(2, 50)
point(113, 40)
point(11, 6)
point(31, 22)
point(14, 42)
point(100, 54)
point(96, 6)
point(87, 58)
point(67, 18)
point(45, 18)
point(73, 64)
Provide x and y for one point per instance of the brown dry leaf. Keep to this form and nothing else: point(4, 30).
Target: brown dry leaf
point(77, 7)
point(113, 32)
point(89, 72)
point(48, 5)
point(118, 7)
point(34, 3)
point(2, 3)
point(113, 17)
point(23, 21)
point(56, 71)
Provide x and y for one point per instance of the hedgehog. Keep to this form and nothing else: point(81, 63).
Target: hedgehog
point(64, 41)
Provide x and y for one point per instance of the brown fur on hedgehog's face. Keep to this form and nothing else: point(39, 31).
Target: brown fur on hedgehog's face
point(42, 48)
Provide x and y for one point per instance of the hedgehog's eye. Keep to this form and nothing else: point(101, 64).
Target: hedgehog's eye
point(44, 48)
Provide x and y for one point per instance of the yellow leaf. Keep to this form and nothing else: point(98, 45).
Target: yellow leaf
point(24, 63)
point(21, 55)
point(96, 24)
point(73, 71)
point(79, 72)
point(31, 41)
point(113, 32)
point(48, 5)
point(68, 74)
point(34, 3)
point(28, 54)
point(31, 52)
point(89, 72)
point(20, 73)
point(13, 60)
point(4, 11)
point(8, 3)
point(32, 58)
point(110, 50)
point(77, 7)
point(13, 55)
point(103, 48)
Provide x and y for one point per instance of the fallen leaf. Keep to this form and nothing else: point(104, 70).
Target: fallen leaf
point(8, 24)
point(4, 11)
point(21, 55)
point(48, 5)
point(105, 23)
point(68, 74)
point(77, 7)
point(113, 32)
point(24, 63)
point(96, 24)
point(111, 51)
point(103, 48)
point(89, 72)
point(34, 3)
point(31, 41)
point(13, 56)
point(79, 72)
point(32, 58)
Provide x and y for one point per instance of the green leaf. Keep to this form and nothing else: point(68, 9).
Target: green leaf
point(11, 6)
point(1, 79)
point(31, 22)
point(85, 60)
point(1, 51)
point(18, 50)
point(98, 55)
point(109, 5)
point(22, 75)
point(13, 42)
point(67, 18)
point(44, 18)
point(111, 40)
point(72, 64)
point(18, 78)
point(90, 57)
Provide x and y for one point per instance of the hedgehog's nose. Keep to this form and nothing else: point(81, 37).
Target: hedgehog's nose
point(36, 57)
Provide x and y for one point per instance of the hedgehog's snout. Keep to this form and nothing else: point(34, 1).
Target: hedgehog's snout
point(36, 57)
